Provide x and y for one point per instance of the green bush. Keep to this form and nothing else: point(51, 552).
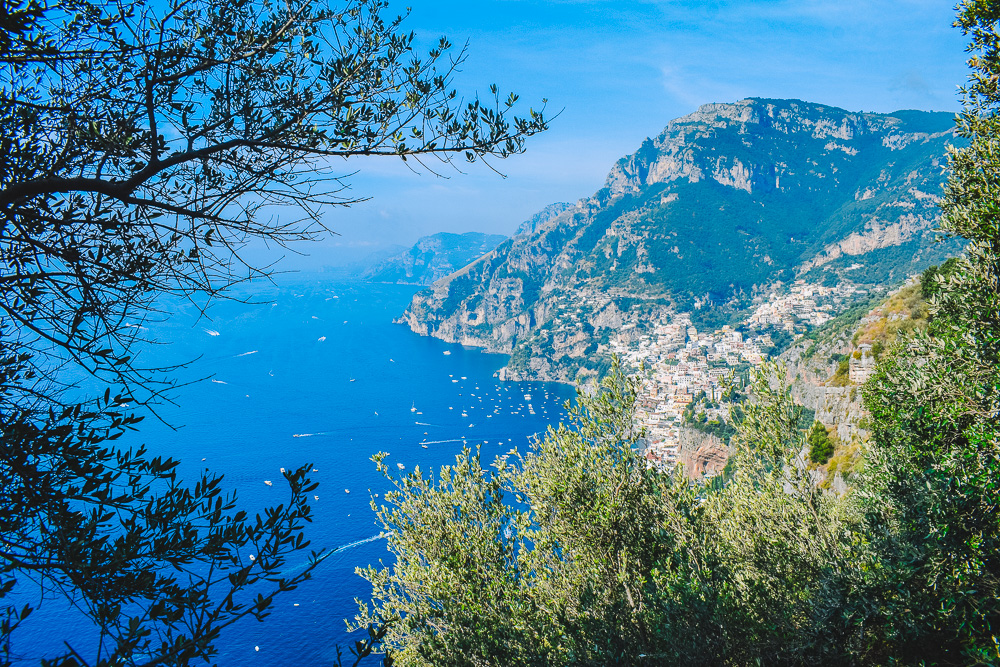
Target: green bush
point(820, 444)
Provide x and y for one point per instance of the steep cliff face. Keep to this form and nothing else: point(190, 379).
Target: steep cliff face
point(721, 204)
point(819, 363)
point(433, 257)
point(701, 454)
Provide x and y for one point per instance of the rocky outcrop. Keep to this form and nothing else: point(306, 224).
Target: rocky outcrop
point(701, 453)
point(876, 235)
point(839, 408)
point(552, 210)
point(811, 364)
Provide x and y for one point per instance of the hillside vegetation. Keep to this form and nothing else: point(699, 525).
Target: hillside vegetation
point(578, 553)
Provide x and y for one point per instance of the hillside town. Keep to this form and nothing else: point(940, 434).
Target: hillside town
point(683, 365)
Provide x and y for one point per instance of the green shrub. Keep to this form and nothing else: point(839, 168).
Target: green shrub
point(820, 444)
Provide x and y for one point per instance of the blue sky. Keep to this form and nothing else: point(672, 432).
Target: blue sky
point(619, 71)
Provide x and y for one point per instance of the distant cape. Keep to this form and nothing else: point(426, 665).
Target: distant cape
point(433, 257)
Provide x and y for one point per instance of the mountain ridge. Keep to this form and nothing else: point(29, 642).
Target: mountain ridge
point(724, 204)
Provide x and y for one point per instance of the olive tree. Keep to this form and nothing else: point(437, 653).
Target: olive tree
point(142, 147)
point(144, 144)
point(935, 407)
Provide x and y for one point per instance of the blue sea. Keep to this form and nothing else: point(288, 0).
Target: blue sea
point(315, 371)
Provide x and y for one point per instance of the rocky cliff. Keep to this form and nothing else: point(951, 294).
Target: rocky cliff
point(819, 364)
point(701, 454)
point(723, 204)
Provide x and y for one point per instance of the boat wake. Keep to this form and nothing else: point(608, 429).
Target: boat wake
point(341, 548)
point(247, 353)
point(358, 543)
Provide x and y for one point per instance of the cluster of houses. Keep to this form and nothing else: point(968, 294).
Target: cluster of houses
point(682, 363)
point(804, 302)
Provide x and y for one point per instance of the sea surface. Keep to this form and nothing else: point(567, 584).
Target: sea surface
point(315, 371)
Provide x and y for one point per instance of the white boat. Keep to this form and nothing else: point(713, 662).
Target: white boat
point(268, 482)
point(413, 407)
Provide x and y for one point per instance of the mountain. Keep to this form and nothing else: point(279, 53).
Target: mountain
point(433, 257)
point(543, 216)
point(725, 205)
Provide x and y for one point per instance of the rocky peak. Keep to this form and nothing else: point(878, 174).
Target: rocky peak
point(722, 142)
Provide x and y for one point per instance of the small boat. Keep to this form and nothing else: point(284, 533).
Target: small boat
point(268, 482)
point(446, 352)
point(352, 380)
point(413, 407)
point(400, 466)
